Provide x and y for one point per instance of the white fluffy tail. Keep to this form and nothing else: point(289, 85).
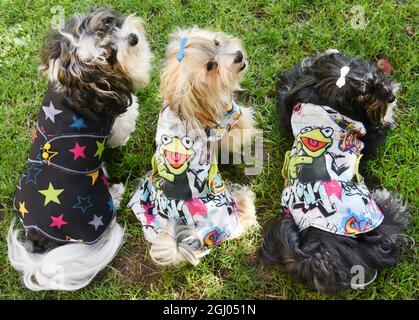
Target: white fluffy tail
point(69, 267)
point(176, 245)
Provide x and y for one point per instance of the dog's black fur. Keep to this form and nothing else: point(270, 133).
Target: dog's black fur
point(321, 259)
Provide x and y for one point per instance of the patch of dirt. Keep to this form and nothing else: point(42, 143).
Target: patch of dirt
point(302, 18)
point(135, 267)
point(261, 13)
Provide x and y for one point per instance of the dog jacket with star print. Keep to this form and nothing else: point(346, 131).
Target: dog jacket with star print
point(185, 184)
point(63, 193)
point(323, 188)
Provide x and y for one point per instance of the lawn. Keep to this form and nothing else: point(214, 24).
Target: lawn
point(277, 34)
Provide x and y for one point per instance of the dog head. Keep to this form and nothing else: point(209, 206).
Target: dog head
point(355, 87)
point(97, 59)
point(201, 72)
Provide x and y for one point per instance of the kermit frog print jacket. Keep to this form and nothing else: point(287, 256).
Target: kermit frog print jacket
point(185, 184)
point(323, 188)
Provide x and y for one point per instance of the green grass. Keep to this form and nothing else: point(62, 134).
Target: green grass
point(277, 34)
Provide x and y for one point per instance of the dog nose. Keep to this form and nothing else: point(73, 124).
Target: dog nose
point(391, 98)
point(239, 57)
point(132, 39)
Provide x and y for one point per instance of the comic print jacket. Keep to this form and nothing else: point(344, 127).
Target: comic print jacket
point(63, 192)
point(323, 188)
point(185, 183)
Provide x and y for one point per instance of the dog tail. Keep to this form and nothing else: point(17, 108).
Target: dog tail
point(244, 199)
point(176, 245)
point(396, 211)
point(329, 263)
point(68, 267)
point(321, 267)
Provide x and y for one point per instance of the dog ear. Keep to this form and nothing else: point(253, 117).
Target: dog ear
point(51, 53)
point(375, 105)
point(189, 101)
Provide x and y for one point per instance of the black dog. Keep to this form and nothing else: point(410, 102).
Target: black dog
point(356, 100)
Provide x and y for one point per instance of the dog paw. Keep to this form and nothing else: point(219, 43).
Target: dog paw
point(124, 126)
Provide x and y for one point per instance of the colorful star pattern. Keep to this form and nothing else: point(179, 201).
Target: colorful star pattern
point(58, 221)
point(100, 148)
point(78, 151)
point(96, 222)
point(94, 175)
point(83, 203)
point(51, 194)
point(19, 185)
point(32, 174)
point(22, 209)
point(48, 154)
point(63, 191)
point(51, 112)
point(78, 123)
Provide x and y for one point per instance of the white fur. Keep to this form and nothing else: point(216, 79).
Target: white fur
point(390, 113)
point(117, 191)
point(244, 198)
point(89, 49)
point(69, 267)
point(331, 50)
point(124, 125)
point(135, 60)
point(389, 116)
point(381, 194)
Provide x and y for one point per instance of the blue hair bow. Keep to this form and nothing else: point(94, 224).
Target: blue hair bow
point(182, 45)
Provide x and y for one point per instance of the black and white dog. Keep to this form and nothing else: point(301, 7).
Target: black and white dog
point(93, 65)
point(335, 106)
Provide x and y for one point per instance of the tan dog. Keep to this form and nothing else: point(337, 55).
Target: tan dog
point(184, 205)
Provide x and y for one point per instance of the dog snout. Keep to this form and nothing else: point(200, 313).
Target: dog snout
point(132, 39)
point(391, 98)
point(239, 57)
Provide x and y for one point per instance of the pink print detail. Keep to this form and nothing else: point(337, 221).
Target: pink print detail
point(35, 134)
point(58, 221)
point(196, 206)
point(149, 218)
point(78, 151)
point(104, 180)
point(297, 108)
point(333, 188)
